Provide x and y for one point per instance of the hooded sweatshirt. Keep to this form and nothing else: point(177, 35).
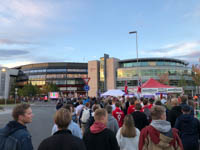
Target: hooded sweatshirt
point(160, 136)
point(98, 137)
point(97, 127)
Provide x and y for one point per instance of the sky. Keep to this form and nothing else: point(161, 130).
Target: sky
point(36, 31)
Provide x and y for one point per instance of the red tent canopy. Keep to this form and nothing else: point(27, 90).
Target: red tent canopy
point(152, 83)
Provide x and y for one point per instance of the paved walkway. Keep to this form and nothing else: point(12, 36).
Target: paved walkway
point(5, 111)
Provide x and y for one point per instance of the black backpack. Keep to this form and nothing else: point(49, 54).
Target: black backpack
point(8, 142)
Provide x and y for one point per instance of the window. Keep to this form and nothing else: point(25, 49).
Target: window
point(77, 70)
point(56, 70)
point(72, 82)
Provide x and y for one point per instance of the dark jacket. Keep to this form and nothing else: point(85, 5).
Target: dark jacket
point(20, 133)
point(104, 140)
point(140, 119)
point(89, 122)
point(189, 130)
point(173, 114)
point(192, 109)
point(62, 140)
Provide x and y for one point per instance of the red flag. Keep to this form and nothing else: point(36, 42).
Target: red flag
point(126, 88)
point(139, 90)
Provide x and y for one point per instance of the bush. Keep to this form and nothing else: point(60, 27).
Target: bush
point(8, 101)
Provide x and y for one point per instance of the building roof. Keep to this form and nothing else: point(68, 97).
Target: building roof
point(154, 59)
point(52, 65)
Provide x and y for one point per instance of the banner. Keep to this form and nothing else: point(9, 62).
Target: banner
point(162, 90)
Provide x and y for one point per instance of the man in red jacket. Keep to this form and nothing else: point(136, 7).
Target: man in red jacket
point(98, 136)
point(159, 134)
point(131, 108)
point(118, 114)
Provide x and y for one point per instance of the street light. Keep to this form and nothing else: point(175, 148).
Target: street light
point(135, 32)
point(3, 79)
point(3, 70)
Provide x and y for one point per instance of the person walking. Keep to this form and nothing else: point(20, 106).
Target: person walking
point(98, 137)
point(63, 138)
point(189, 129)
point(73, 127)
point(139, 117)
point(118, 114)
point(128, 135)
point(112, 122)
point(159, 135)
point(175, 112)
point(15, 136)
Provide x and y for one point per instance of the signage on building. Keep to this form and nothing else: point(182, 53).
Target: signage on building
point(162, 90)
point(63, 88)
point(86, 80)
point(53, 95)
point(71, 88)
point(86, 88)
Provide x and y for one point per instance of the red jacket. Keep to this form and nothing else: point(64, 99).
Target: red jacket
point(150, 105)
point(119, 116)
point(145, 106)
point(131, 109)
point(151, 139)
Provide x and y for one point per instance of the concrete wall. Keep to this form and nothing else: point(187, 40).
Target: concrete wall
point(112, 65)
point(5, 81)
point(93, 73)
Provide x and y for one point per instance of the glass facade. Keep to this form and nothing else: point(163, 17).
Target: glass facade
point(150, 63)
point(67, 76)
point(153, 68)
point(132, 72)
point(54, 71)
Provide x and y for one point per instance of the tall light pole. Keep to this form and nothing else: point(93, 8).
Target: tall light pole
point(3, 82)
point(135, 32)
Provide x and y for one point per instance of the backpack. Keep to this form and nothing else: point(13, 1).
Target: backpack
point(8, 142)
point(85, 115)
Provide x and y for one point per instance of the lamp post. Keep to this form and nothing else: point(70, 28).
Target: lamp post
point(3, 84)
point(135, 32)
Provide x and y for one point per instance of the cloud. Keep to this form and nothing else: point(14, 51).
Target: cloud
point(189, 51)
point(69, 49)
point(195, 13)
point(12, 42)
point(16, 64)
point(29, 12)
point(10, 53)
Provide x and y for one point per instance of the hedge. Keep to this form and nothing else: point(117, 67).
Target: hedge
point(8, 101)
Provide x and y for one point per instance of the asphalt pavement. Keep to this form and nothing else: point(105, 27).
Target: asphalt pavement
point(42, 123)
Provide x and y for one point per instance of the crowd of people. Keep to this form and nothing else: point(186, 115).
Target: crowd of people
point(111, 124)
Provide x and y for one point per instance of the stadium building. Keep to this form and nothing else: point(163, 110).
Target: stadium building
point(112, 73)
point(67, 76)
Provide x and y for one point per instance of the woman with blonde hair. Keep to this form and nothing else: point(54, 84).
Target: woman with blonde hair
point(128, 135)
point(63, 138)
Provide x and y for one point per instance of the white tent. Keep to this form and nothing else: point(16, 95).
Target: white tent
point(114, 92)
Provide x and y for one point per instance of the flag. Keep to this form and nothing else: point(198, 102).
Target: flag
point(139, 90)
point(126, 88)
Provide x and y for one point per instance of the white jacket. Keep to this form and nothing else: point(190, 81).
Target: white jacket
point(126, 143)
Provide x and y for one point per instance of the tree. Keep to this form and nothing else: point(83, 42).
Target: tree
point(164, 78)
point(182, 82)
point(29, 90)
point(196, 75)
point(49, 87)
point(13, 86)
